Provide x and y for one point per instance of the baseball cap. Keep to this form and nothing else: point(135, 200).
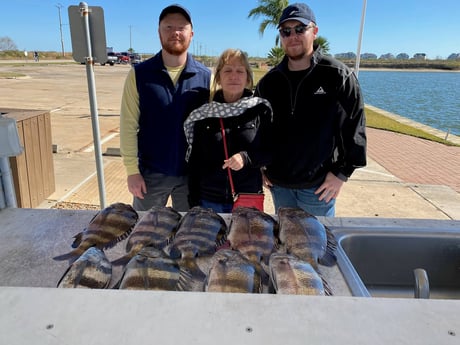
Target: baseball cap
point(298, 11)
point(176, 8)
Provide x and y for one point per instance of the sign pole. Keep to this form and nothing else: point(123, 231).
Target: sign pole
point(84, 11)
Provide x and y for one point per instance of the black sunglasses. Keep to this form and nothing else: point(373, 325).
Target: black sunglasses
point(299, 29)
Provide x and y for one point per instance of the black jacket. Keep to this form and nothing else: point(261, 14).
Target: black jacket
point(319, 122)
point(248, 133)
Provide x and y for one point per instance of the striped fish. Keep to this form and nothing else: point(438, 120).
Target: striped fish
point(108, 227)
point(152, 269)
point(252, 232)
point(91, 270)
point(231, 271)
point(304, 236)
point(156, 228)
point(290, 275)
point(200, 231)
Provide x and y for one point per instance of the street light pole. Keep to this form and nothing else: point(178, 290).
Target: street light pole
point(358, 53)
point(59, 6)
point(130, 42)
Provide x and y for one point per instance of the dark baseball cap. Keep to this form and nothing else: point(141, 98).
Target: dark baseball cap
point(176, 8)
point(298, 11)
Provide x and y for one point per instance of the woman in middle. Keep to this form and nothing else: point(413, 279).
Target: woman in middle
point(247, 122)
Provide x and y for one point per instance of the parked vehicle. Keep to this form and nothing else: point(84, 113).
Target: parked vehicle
point(112, 58)
point(135, 59)
point(123, 58)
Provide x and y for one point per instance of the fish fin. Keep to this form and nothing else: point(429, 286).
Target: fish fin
point(74, 254)
point(123, 260)
point(272, 286)
point(117, 240)
point(331, 240)
point(222, 242)
point(281, 248)
point(77, 240)
point(329, 258)
point(65, 273)
point(263, 271)
point(327, 288)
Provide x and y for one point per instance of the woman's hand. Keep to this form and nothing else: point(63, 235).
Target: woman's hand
point(235, 162)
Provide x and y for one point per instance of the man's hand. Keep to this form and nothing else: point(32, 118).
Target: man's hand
point(136, 185)
point(330, 188)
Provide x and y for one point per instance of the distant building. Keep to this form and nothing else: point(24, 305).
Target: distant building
point(419, 56)
point(349, 55)
point(402, 56)
point(387, 56)
point(454, 56)
point(367, 56)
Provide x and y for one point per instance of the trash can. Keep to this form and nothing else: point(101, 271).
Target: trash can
point(33, 170)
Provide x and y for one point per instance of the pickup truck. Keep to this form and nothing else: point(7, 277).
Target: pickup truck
point(112, 58)
point(123, 58)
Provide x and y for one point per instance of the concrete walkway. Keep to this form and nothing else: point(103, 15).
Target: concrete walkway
point(405, 177)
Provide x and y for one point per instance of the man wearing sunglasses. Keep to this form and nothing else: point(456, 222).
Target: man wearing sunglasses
point(318, 123)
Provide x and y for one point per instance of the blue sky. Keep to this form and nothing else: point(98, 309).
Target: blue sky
point(391, 26)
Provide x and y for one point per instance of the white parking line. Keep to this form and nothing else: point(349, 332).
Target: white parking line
point(103, 140)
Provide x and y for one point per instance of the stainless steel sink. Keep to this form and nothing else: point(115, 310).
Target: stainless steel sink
point(381, 262)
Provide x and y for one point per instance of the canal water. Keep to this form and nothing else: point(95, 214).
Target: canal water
point(431, 98)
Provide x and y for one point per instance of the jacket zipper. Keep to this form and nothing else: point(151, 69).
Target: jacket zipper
point(294, 99)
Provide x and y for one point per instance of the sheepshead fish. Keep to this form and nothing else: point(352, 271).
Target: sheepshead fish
point(156, 228)
point(290, 275)
point(109, 226)
point(231, 271)
point(200, 231)
point(152, 269)
point(91, 270)
point(252, 233)
point(304, 236)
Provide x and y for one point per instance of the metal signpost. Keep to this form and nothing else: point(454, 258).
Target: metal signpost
point(87, 31)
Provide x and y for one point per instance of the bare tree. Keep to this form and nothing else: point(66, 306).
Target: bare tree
point(7, 43)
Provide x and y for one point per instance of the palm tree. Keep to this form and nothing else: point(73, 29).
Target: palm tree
point(271, 10)
point(275, 56)
point(323, 43)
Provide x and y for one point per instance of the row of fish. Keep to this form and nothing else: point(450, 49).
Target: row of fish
point(199, 252)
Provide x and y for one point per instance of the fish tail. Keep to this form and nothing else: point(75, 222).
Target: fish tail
point(329, 258)
point(193, 275)
point(185, 281)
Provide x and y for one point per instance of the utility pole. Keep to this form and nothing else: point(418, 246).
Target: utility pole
point(59, 6)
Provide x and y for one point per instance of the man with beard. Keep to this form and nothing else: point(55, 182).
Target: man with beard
point(158, 95)
point(318, 119)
